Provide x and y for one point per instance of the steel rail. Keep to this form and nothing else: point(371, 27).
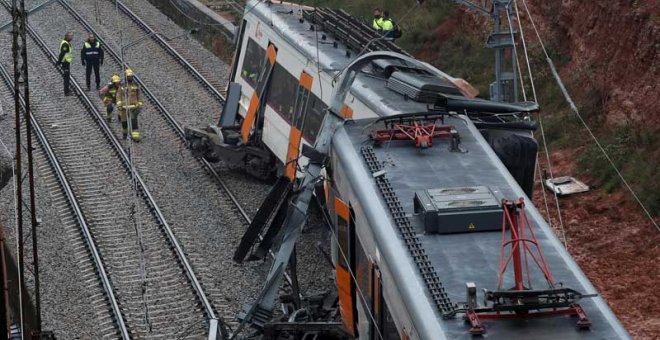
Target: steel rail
point(214, 321)
point(161, 108)
point(179, 129)
point(168, 116)
point(171, 50)
point(77, 210)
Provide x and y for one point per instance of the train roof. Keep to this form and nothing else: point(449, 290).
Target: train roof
point(302, 28)
point(471, 257)
point(457, 258)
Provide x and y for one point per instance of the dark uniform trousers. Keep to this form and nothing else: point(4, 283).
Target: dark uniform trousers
point(89, 65)
point(66, 74)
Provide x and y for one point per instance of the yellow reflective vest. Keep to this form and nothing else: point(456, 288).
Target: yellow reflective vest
point(387, 25)
point(68, 56)
point(377, 24)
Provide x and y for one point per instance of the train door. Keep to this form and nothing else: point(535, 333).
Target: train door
point(345, 228)
point(255, 107)
point(382, 324)
point(239, 45)
point(303, 95)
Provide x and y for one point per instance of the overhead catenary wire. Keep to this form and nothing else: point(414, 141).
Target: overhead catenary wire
point(135, 215)
point(543, 137)
point(575, 110)
point(354, 278)
point(515, 53)
point(531, 78)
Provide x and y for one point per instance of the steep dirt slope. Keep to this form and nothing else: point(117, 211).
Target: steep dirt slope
point(615, 45)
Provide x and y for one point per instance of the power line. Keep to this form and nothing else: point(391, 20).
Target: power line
point(545, 142)
point(574, 108)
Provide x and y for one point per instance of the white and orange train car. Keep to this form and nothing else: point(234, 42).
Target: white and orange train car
point(416, 215)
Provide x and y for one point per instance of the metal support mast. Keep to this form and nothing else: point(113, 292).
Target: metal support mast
point(505, 86)
point(19, 54)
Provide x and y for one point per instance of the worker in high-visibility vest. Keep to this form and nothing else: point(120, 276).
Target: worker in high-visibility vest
point(377, 23)
point(388, 26)
point(129, 102)
point(64, 60)
point(92, 58)
point(109, 95)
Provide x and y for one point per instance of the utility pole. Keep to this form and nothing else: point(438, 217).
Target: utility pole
point(506, 81)
point(19, 54)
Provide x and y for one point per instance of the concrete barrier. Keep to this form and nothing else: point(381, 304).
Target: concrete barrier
point(216, 33)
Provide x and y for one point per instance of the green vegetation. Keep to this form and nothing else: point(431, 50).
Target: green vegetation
point(634, 149)
point(417, 22)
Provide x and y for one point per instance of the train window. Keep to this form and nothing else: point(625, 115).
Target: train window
point(388, 328)
point(239, 46)
point(282, 92)
point(252, 62)
point(384, 328)
point(313, 118)
point(342, 235)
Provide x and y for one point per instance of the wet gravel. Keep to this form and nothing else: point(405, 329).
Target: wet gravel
point(203, 219)
point(62, 272)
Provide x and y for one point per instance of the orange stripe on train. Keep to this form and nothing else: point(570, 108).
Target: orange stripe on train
point(295, 137)
point(341, 208)
point(346, 112)
point(306, 81)
point(249, 117)
point(345, 300)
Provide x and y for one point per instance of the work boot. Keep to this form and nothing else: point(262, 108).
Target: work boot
point(135, 135)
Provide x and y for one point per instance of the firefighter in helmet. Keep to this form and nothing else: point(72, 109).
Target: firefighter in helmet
point(129, 101)
point(109, 96)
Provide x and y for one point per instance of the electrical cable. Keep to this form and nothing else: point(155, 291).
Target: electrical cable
point(531, 77)
point(318, 58)
point(357, 285)
point(131, 164)
point(543, 137)
point(515, 53)
point(574, 108)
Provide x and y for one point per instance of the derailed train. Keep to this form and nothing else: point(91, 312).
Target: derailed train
point(421, 181)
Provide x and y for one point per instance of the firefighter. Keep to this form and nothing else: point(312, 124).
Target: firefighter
point(109, 95)
point(64, 60)
point(92, 57)
point(377, 23)
point(129, 102)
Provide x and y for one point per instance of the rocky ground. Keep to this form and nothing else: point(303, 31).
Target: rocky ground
point(614, 244)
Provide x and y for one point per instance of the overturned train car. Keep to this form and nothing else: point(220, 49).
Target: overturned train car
point(426, 187)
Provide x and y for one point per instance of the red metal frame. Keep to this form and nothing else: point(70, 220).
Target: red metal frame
point(422, 133)
point(477, 327)
point(515, 219)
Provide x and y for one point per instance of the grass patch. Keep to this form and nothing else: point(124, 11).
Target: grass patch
point(633, 149)
point(630, 148)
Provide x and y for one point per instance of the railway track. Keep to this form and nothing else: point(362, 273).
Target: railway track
point(167, 114)
point(165, 127)
point(149, 285)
